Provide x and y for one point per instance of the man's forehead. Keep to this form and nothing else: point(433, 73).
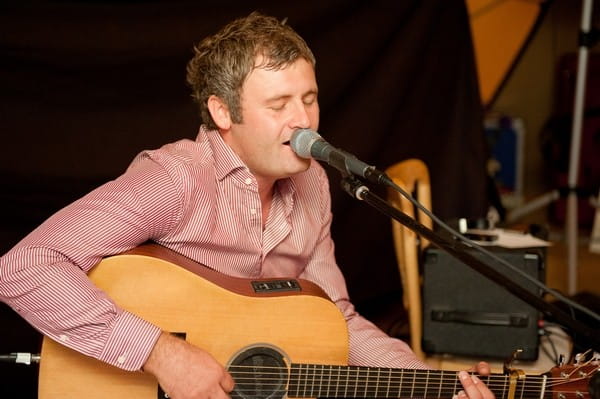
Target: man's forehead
point(271, 76)
point(268, 89)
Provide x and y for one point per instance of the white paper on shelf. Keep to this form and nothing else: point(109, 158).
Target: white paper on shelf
point(508, 239)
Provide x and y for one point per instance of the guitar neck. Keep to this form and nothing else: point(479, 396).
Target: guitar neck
point(311, 381)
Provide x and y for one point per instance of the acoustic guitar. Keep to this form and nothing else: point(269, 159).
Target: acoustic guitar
point(277, 337)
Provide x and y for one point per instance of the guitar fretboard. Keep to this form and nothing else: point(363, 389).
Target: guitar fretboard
point(312, 381)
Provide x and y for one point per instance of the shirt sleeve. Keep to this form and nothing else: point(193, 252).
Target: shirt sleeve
point(44, 277)
point(368, 345)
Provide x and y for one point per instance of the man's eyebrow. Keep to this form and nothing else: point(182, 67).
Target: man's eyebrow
point(288, 96)
point(278, 98)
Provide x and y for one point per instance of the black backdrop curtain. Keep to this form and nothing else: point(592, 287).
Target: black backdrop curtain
point(85, 86)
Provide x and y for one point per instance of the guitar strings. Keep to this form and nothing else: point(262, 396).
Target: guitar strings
point(420, 379)
point(420, 374)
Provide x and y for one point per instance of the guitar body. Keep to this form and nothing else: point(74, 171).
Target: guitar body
point(217, 313)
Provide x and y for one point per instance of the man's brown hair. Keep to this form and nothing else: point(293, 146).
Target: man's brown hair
point(222, 62)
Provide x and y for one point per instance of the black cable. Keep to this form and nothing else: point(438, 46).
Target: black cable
point(20, 358)
point(554, 356)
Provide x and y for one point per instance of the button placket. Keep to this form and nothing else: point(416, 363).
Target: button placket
point(249, 209)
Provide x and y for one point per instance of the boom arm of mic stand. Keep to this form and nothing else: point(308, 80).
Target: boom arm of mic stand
point(458, 249)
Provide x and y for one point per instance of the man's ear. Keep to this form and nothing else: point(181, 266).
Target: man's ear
point(219, 112)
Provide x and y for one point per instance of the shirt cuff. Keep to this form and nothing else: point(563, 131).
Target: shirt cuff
point(130, 342)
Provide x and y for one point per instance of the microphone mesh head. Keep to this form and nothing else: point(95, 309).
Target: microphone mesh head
point(302, 141)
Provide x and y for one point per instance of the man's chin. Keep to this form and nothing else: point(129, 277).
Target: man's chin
point(299, 167)
point(304, 165)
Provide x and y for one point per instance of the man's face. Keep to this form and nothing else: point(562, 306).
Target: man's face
point(274, 104)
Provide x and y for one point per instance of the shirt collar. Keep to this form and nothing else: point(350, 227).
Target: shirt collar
point(226, 160)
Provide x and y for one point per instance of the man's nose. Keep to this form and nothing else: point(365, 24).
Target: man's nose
point(300, 118)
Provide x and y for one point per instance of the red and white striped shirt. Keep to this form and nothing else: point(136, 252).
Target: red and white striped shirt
point(196, 198)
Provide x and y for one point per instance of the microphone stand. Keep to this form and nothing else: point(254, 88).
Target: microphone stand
point(458, 249)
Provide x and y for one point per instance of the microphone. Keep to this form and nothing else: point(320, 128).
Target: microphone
point(307, 143)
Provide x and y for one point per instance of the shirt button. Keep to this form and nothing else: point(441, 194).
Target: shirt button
point(248, 181)
point(121, 359)
point(64, 338)
point(253, 211)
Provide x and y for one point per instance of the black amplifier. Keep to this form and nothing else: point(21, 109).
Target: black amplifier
point(465, 313)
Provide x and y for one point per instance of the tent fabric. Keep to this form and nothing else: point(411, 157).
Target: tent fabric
point(501, 31)
point(87, 85)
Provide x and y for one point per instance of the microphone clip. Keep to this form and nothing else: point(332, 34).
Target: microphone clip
point(354, 187)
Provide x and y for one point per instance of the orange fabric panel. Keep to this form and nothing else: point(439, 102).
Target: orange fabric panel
point(500, 30)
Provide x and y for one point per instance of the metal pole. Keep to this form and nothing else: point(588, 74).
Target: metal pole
point(572, 216)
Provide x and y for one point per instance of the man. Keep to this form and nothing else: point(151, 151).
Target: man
point(236, 199)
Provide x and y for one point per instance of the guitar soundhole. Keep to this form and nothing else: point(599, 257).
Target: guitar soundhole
point(259, 372)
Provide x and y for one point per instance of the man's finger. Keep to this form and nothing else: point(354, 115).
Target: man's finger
point(227, 383)
point(469, 385)
point(483, 368)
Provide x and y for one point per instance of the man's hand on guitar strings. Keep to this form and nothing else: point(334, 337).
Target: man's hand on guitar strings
point(473, 388)
point(187, 372)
